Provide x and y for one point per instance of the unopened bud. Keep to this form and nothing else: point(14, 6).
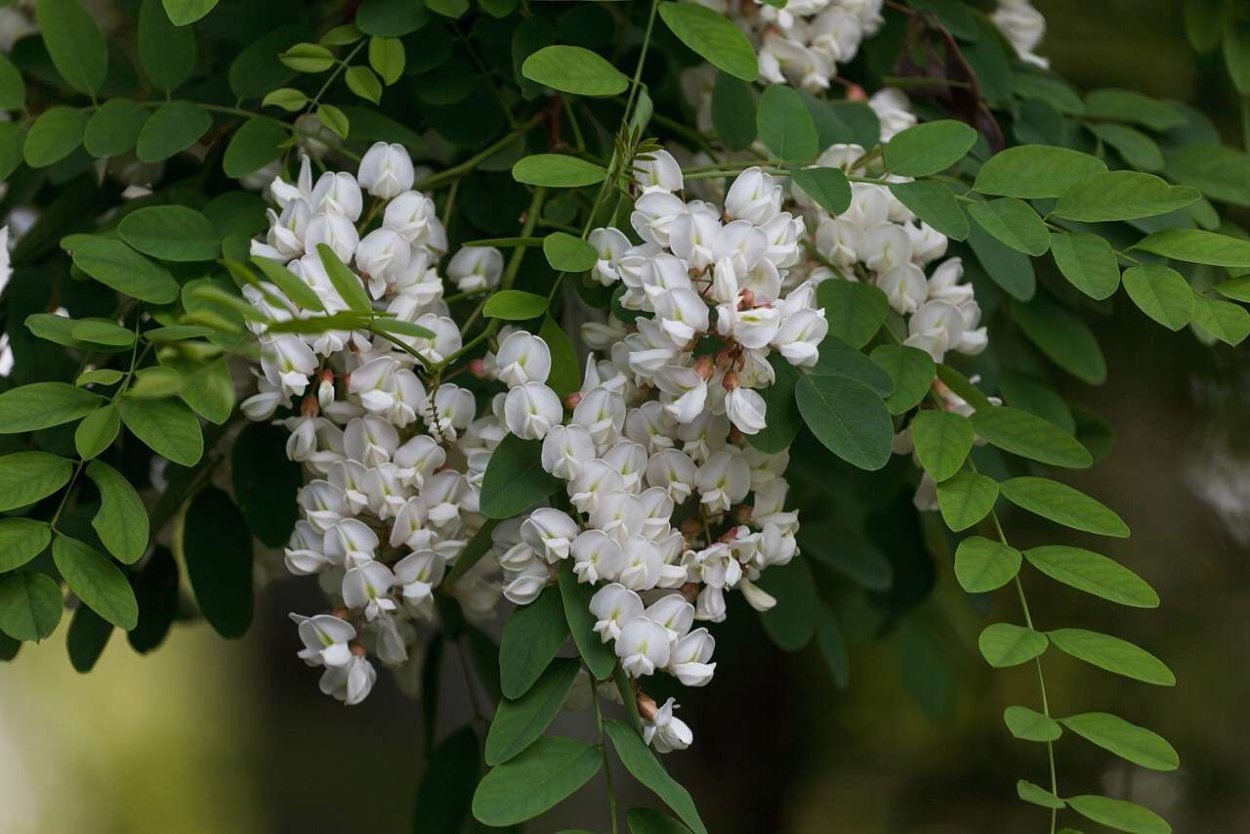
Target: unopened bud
point(572, 399)
point(854, 92)
point(309, 407)
point(647, 707)
point(691, 527)
point(730, 380)
point(358, 650)
point(325, 391)
point(704, 367)
point(477, 367)
point(746, 300)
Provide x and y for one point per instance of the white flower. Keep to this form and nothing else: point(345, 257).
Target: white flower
point(566, 449)
point(756, 596)
point(665, 732)
point(335, 231)
point(368, 586)
point(658, 171)
point(386, 170)
point(613, 606)
point(936, 327)
point(893, 112)
point(416, 575)
point(596, 555)
point(754, 196)
point(549, 532)
point(337, 193)
point(351, 683)
point(1024, 26)
point(723, 481)
point(689, 659)
point(611, 245)
point(523, 358)
point(905, 287)
point(476, 268)
point(523, 587)
point(674, 613)
point(351, 543)
point(530, 410)
point(326, 640)
point(382, 256)
point(642, 647)
point(745, 408)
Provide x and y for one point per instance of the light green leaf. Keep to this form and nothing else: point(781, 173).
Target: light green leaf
point(42, 405)
point(1063, 337)
point(855, 310)
point(1199, 247)
point(101, 376)
point(386, 56)
point(30, 605)
point(712, 36)
point(334, 119)
point(217, 549)
point(544, 775)
point(912, 372)
point(1029, 436)
point(27, 477)
point(557, 171)
point(114, 128)
point(1119, 814)
point(96, 581)
point(1038, 795)
point(943, 440)
point(346, 283)
point(1130, 106)
point(929, 148)
point(1135, 147)
point(171, 233)
point(1063, 505)
point(122, 521)
point(364, 83)
point(21, 539)
point(308, 57)
point(531, 638)
point(154, 383)
point(76, 45)
point(288, 98)
point(518, 723)
point(1113, 654)
point(733, 112)
point(1004, 644)
point(984, 565)
point(1128, 741)
point(935, 204)
point(1030, 725)
point(1012, 222)
point(55, 135)
point(828, 187)
point(1094, 574)
point(646, 768)
point(597, 655)
point(573, 69)
point(848, 418)
point(167, 427)
point(1225, 321)
point(1035, 171)
point(166, 51)
point(785, 124)
point(102, 332)
point(254, 145)
point(184, 12)
point(174, 127)
point(1088, 262)
point(965, 499)
point(291, 284)
point(567, 253)
point(97, 431)
point(1122, 195)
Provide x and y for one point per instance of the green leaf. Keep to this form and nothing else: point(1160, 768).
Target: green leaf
point(1238, 289)
point(154, 383)
point(346, 283)
point(183, 12)
point(531, 638)
point(912, 372)
point(1011, 270)
point(837, 358)
point(935, 204)
point(848, 418)
point(784, 421)
point(451, 773)
point(943, 440)
point(102, 332)
point(1088, 262)
point(391, 18)
point(96, 581)
point(1063, 505)
point(855, 311)
point(518, 723)
point(1199, 247)
point(567, 253)
point(21, 539)
point(1225, 321)
point(1003, 644)
point(167, 427)
point(334, 119)
point(97, 431)
point(540, 778)
point(573, 69)
point(984, 565)
point(307, 57)
point(12, 145)
point(122, 520)
point(166, 51)
point(712, 36)
point(965, 499)
point(1094, 574)
point(386, 56)
point(828, 187)
point(1122, 195)
point(288, 98)
point(1012, 222)
point(1136, 148)
point(99, 376)
point(291, 285)
point(1128, 741)
point(1161, 293)
point(1035, 171)
point(364, 83)
point(256, 70)
point(597, 655)
point(27, 477)
point(515, 479)
point(1113, 655)
point(89, 633)
point(832, 647)
point(556, 170)
point(648, 821)
point(792, 622)
point(1037, 795)
point(254, 145)
point(1218, 171)
point(42, 405)
point(75, 44)
point(646, 768)
point(266, 482)
point(217, 549)
point(172, 128)
point(30, 605)
point(1030, 725)
point(55, 135)
point(12, 87)
point(929, 147)
point(1119, 814)
point(733, 112)
point(1029, 436)
point(1063, 337)
point(114, 128)
point(850, 554)
point(1129, 106)
point(171, 233)
point(785, 124)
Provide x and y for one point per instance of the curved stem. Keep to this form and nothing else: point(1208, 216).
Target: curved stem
point(607, 765)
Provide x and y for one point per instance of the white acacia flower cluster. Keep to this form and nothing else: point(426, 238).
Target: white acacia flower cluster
point(879, 240)
point(667, 506)
point(394, 469)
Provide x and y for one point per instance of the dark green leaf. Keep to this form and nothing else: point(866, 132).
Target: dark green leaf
point(254, 145)
point(792, 621)
point(173, 127)
point(1035, 171)
point(166, 51)
point(1088, 262)
point(30, 605)
point(567, 253)
point(538, 779)
point(649, 821)
point(597, 655)
point(572, 69)
point(76, 45)
point(42, 405)
point(1064, 338)
point(515, 479)
point(833, 647)
point(21, 539)
point(828, 187)
point(451, 773)
point(943, 440)
point(171, 233)
point(1221, 319)
point(27, 477)
point(1011, 270)
point(929, 147)
point(912, 372)
point(217, 549)
point(646, 768)
point(733, 112)
point(965, 499)
point(1012, 222)
point(531, 638)
point(391, 18)
point(935, 204)
point(785, 125)
point(518, 723)
point(855, 311)
point(1199, 247)
point(114, 128)
point(1122, 195)
point(848, 418)
point(167, 427)
point(55, 135)
point(184, 12)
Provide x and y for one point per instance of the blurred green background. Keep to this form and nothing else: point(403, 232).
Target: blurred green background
point(213, 736)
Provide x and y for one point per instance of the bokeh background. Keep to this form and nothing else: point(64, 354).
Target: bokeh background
point(207, 735)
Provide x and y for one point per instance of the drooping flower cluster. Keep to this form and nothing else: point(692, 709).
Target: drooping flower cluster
point(393, 468)
point(667, 506)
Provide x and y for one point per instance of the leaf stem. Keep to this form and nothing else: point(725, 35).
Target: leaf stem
point(603, 750)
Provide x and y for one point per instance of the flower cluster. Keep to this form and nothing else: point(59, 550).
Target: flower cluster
point(394, 469)
point(1024, 27)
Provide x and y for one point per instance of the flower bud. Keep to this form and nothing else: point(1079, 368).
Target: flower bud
point(386, 170)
